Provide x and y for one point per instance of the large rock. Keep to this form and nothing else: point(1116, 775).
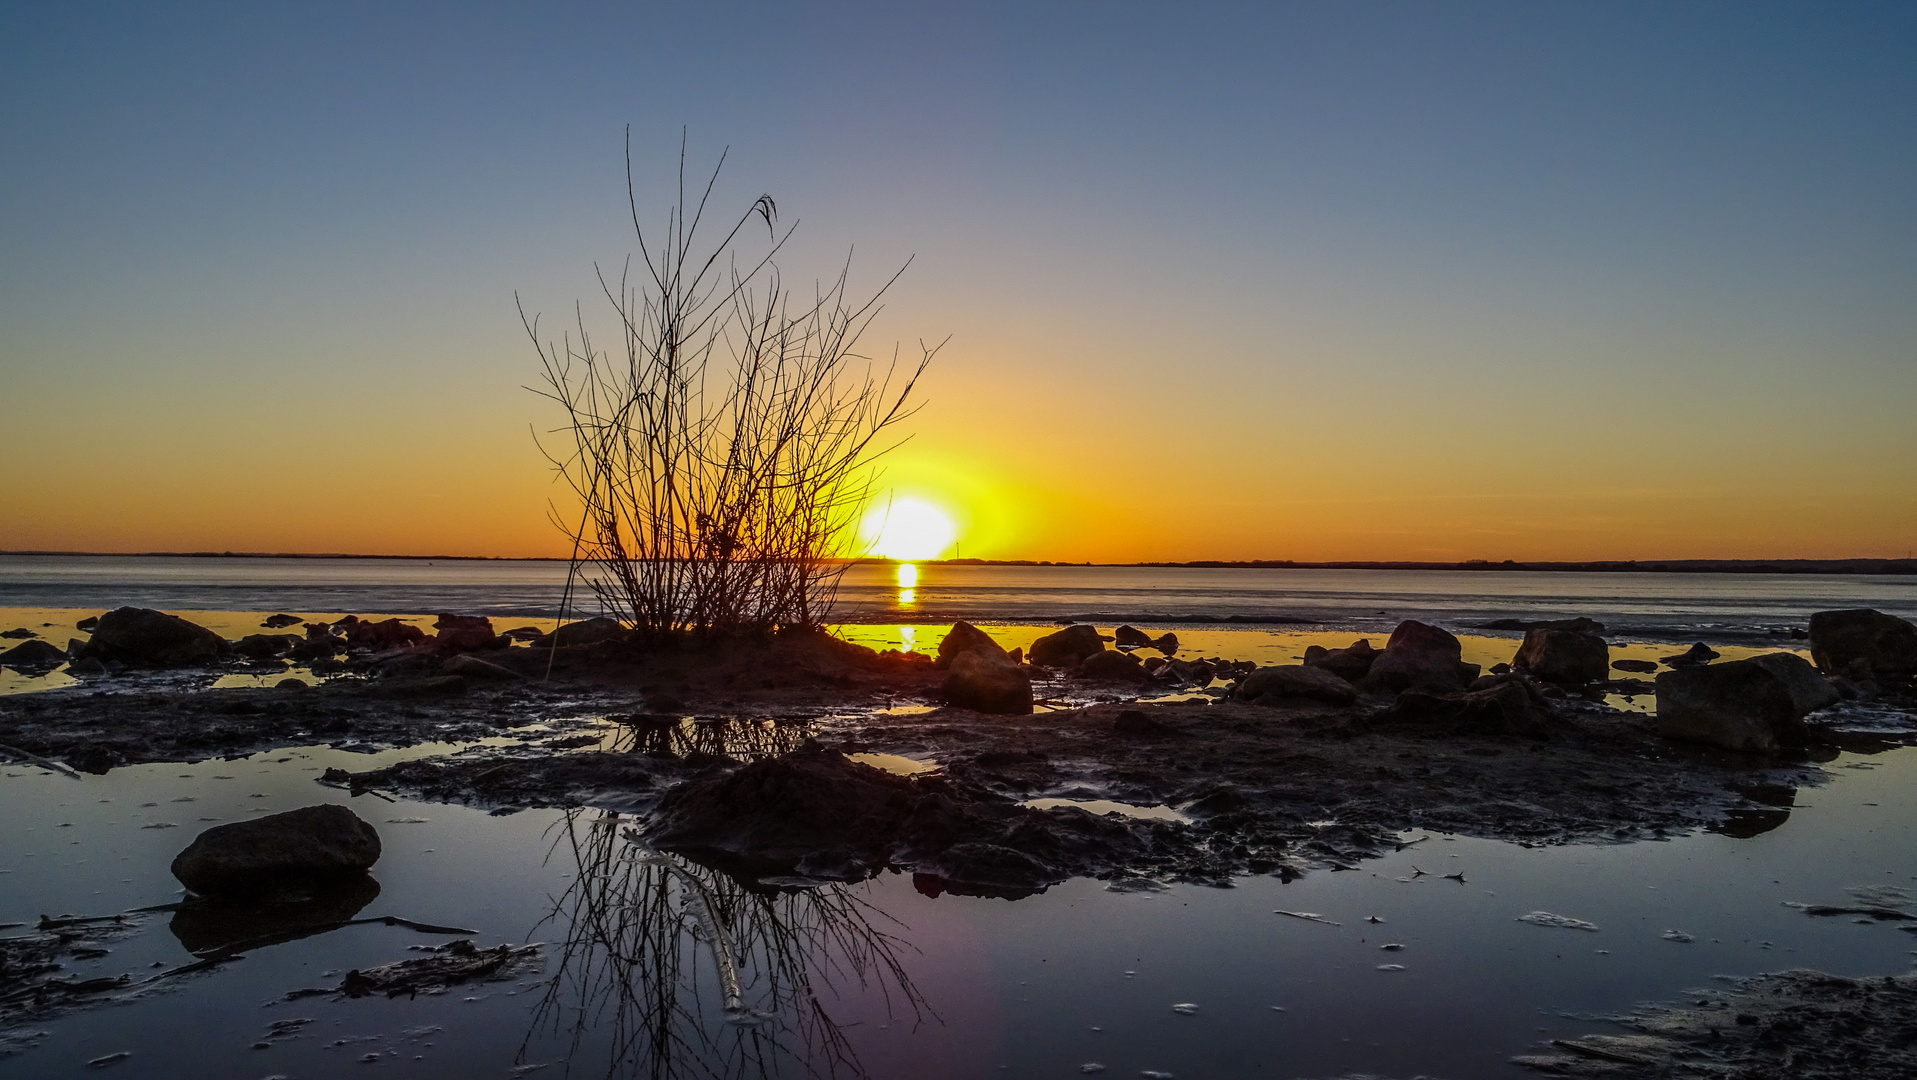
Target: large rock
point(33, 654)
point(313, 842)
point(143, 637)
point(1068, 647)
point(1737, 706)
point(1809, 690)
point(1351, 663)
point(1418, 655)
point(1886, 643)
point(385, 634)
point(964, 638)
point(1495, 705)
point(1130, 637)
point(1111, 666)
point(1566, 657)
point(465, 633)
point(988, 682)
point(1286, 683)
point(590, 632)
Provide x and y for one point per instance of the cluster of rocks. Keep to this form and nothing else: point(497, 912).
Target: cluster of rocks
point(133, 637)
point(984, 676)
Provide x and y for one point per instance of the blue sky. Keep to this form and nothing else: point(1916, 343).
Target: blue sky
point(1365, 280)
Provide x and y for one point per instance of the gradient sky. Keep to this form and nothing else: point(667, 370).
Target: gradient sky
point(1317, 281)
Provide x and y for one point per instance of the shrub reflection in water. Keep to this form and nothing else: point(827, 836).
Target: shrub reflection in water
point(681, 969)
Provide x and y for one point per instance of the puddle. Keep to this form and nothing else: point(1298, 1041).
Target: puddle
point(1102, 807)
point(896, 764)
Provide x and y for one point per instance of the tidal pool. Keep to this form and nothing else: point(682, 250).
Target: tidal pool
point(888, 979)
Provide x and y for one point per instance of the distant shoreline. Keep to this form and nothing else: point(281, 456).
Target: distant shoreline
point(1601, 566)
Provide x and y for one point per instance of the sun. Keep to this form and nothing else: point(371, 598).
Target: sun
point(907, 530)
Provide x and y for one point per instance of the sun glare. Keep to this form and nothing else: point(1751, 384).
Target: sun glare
point(908, 529)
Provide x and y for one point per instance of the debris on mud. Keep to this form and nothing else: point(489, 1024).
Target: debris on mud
point(450, 964)
point(1802, 1024)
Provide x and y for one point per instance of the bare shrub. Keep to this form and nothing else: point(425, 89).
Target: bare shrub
point(722, 452)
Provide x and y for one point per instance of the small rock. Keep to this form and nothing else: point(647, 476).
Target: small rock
point(1130, 637)
point(1111, 666)
point(33, 654)
point(1642, 667)
point(1417, 655)
point(266, 646)
point(275, 622)
point(589, 632)
point(1351, 663)
point(19, 634)
point(1697, 654)
point(1565, 657)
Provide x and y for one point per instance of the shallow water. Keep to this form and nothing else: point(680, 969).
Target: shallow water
point(1019, 984)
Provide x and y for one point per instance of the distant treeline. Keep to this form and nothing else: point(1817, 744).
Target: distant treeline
point(1605, 566)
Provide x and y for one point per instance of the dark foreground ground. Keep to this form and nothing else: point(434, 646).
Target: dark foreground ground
point(736, 757)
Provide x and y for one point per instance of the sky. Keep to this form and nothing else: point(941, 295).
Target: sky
point(1523, 280)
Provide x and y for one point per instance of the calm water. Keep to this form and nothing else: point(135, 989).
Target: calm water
point(1718, 606)
point(1038, 987)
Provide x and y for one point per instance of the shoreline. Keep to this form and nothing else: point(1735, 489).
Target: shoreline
point(1861, 567)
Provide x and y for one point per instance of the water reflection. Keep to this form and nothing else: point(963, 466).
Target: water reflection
point(669, 968)
point(746, 739)
point(908, 578)
point(213, 926)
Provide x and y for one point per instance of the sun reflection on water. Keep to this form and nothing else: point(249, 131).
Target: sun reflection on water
point(908, 584)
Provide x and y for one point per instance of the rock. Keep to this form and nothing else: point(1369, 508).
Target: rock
point(19, 634)
point(385, 634)
point(964, 638)
point(1887, 643)
point(87, 623)
point(1699, 653)
point(1642, 667)
point(1351, 663)
point(472, 667)
point(1130, 637)
point(313, 842)
point(33, 654)
point(1285, 683)
point(1166, 643)
point(1565, 657)
point(291, 684)
point(465, 633)
point(1809, 691)
point(589, 632)
point(1068, 647)
point(266, 646)
point(275, 622)
point(142, 637)
point(523, 633)
point(1498, 705)
point(1417, 655)
point(86, 665)
point(1111, 666)
point(1737, 706)
point(988, 682)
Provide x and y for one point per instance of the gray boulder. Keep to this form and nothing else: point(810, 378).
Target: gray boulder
point(33, 654)
point(964, 638)
point(1566, 657)
point(1068, 647)
point(1809, 690)
point(989, 683)
point(1294, 682)
point(1737, 706)
point(1886, 643)
point(313, 842)
point(142, 637)
point(1418, 655)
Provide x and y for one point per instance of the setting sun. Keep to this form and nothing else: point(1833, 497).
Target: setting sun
point(908, 529)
